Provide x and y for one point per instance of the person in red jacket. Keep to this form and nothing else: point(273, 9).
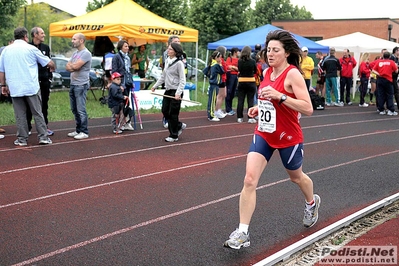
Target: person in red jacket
point(348, 63)
point(364, 72)
point(384, 69)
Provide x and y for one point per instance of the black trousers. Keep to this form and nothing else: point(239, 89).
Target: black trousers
point(171, 111)
point(45, 97)
point(385, 95)
point(345, 83)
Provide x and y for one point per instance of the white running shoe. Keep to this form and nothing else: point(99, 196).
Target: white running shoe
point(311, 215)
point(214, 119)
point(237, 240)
point(73, 134)
point(128, 126)
point(81, 135)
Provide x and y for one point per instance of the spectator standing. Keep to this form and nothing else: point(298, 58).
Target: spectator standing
point(348, 63)
point(116, 101)
point(246, 83)
point(231, 80)
point(257, 49)
point(108, 65)
point(373, 81)
point(282, 96)
point(141, 59)
point(121, 64)
point(321, 76)
point(5, 98)
point(19, 70)
point(165, 57)
point(395, 57)
point(332, 67)
point(364, 73)
point(214, 72)
point(45, 76)
point(384, 69)
point(307, 66)
point(79, 65)
point(222, 86)
point(175, 79)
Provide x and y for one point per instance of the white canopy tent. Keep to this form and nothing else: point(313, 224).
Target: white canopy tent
point(358, 43)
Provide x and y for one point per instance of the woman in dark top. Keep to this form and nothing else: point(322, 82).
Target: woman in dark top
point(246, 83)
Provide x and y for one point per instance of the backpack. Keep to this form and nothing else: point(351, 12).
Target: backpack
point(318, 102)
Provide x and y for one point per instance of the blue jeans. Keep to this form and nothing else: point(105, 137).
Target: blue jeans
point(77, 98)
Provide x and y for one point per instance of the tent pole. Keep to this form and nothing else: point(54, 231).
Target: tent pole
point(206, 61)
point(196, 71)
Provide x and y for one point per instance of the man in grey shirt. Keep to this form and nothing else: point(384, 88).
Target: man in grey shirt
point(79, 65)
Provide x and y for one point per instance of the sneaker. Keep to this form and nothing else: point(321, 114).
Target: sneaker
point(363, 105)
point(183, 127)
point(231, 113)
point(73, 134)
point(81, 135)
point(118, 131)
point(340, 104)
point(17, 142)
point(240, 120)
point(237, 240)
point(329, 104)
point(170, 139)
point(382, 113)
point(219, 114)
point(2, 130)
point(30, 133)
point(165, 123)
point(45, 141)
point(1, 136)
point(128, 126)
point(252, 121)
point(390, 113)
point(312, 214)
point(349, 103)
point(214, 119)
point(371, 103)
point(50, 132)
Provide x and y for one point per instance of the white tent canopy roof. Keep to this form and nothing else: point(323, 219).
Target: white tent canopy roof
point(359, 42)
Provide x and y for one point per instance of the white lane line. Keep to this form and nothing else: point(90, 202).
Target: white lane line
point(174, 214)
point(212, 160)
point(189, 128)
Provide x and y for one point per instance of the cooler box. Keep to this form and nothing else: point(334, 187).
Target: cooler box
point(136, 82)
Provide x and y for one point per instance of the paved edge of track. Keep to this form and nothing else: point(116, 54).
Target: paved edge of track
point(285, 253)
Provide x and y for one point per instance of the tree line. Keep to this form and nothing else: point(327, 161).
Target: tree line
point(214, 19)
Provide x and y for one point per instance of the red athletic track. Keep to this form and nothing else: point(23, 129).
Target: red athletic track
point(132, 199)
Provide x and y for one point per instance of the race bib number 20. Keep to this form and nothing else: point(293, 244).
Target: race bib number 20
point(267, 116)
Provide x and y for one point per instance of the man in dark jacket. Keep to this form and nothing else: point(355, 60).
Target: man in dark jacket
point(331, 67)
point(45, 76)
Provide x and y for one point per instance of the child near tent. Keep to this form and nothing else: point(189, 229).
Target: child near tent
point(116, 101)
point(213, 71)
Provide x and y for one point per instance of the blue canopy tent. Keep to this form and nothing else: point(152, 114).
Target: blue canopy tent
point(258, 36)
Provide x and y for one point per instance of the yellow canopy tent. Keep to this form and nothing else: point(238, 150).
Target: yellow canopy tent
point(123, 19)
